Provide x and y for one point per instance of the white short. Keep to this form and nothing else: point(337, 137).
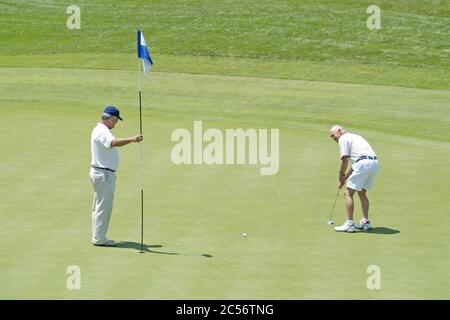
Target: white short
point(363, 176)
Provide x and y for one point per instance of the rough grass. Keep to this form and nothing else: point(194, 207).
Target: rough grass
point(414, 33)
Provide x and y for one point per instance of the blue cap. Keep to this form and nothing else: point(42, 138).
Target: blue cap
point(112, 111)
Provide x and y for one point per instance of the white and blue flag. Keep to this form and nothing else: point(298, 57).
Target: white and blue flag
point(143, 53)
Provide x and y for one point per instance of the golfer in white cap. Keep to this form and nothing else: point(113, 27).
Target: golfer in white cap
point(105, 161)
point(361, 175)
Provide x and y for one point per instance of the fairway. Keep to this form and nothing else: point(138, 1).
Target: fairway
point(195, 215)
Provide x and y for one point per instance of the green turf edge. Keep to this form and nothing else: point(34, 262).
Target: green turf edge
point(296, 70)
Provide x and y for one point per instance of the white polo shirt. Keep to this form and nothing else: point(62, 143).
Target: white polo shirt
point(354, 146)
point(103, 155)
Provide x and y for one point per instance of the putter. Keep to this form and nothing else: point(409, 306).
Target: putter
point(330, 221)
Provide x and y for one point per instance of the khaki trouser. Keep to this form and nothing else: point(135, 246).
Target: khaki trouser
point(104, 183)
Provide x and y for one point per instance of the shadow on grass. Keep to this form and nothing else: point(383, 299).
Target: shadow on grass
point(382, 230)
point(148, 248)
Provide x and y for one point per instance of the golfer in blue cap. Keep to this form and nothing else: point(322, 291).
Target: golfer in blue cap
point(105, 161)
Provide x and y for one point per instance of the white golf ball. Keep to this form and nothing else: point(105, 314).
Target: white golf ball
point(244, 235)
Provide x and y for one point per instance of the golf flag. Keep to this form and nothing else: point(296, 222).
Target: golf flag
point(147, 62)
point(143, 53)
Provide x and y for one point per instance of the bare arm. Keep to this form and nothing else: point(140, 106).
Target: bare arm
point(342, 175)
point(344, 165)
point(119, 142)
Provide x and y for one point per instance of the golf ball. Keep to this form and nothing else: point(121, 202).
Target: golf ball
point(244, 235)
point(330, 222)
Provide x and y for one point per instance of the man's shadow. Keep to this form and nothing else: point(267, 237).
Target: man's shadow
point(148, 248)
point(382, 230)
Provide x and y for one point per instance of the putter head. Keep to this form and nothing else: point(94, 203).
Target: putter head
point(330, 222)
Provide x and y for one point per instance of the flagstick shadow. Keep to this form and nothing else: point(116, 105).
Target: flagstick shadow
point(148, 248)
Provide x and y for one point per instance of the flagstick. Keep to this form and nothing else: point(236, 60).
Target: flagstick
point(142, 160)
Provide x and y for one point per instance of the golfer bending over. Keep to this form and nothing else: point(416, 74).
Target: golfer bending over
point(360, 177)
point(105, 161)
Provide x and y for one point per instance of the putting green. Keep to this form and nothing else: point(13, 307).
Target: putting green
point(195, 215)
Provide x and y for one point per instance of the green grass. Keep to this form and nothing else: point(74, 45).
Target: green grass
point(290, 253)
point(297, 66)
point(326, 41)
point(279, 69)
point(413, 33)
